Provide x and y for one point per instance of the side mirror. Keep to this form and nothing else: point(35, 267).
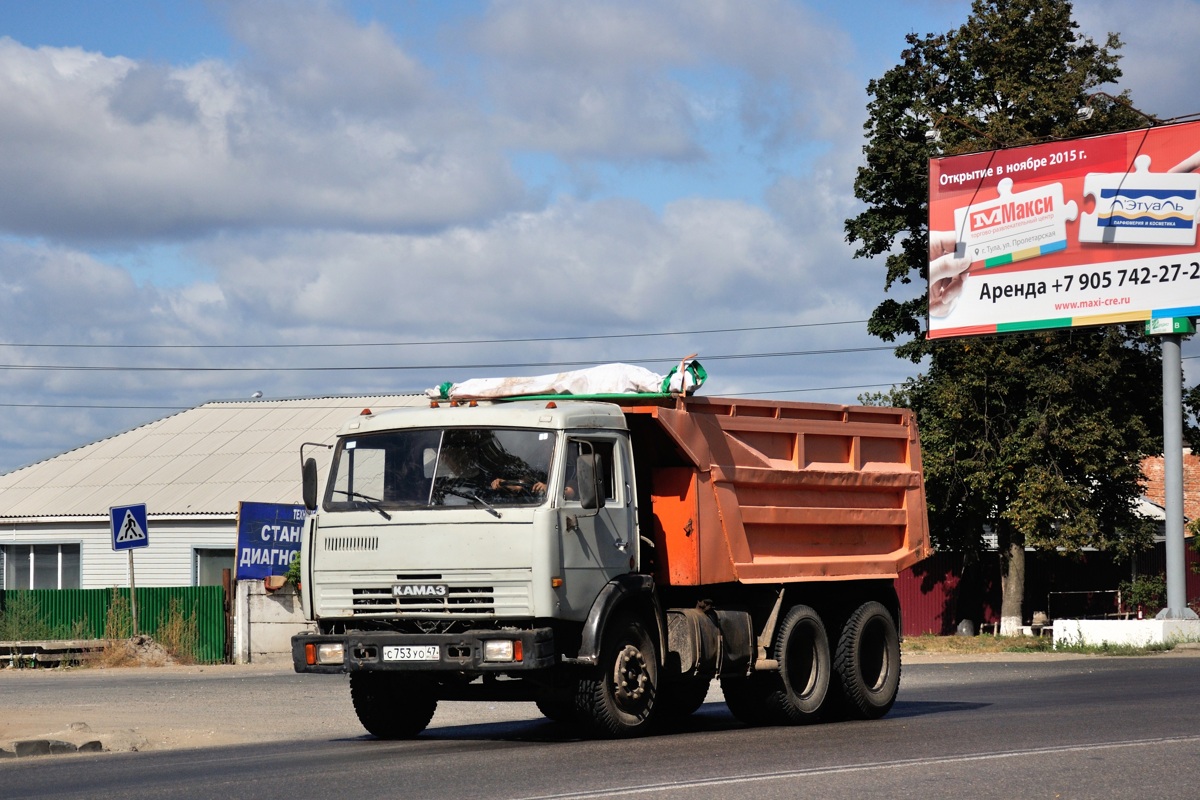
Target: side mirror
point(590, 496)
point(309, 473)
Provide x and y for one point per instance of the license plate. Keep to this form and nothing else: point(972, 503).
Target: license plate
point(408, 652)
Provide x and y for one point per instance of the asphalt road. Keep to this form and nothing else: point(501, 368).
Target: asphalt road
point(1007, 728)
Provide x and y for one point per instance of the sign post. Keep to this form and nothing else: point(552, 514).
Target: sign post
point(1172, 368)
point(129, 531)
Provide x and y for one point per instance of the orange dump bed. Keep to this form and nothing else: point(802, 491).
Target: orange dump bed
point(759, 491)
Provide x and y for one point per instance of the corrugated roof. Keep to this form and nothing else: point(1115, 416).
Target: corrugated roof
point(199, 462)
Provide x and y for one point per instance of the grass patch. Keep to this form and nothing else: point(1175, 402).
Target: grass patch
point(119, 649)
point(21, 620)
point(176, 638)
point(179, 634)
point(1110, 649)
point(983, 643)
point(988, 643)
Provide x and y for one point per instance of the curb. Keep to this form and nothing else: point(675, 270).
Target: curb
point(25, 748)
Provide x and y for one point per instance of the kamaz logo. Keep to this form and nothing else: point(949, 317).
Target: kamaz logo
point(420, 590)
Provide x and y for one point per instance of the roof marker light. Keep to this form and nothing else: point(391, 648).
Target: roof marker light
point(366, 412)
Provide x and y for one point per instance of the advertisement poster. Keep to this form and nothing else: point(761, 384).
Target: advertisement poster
point(268, 538)
point(1076, 232)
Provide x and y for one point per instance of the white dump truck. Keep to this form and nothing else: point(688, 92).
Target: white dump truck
point(607, 558)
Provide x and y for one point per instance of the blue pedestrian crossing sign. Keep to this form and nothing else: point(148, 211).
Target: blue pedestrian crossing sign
point(129, 527)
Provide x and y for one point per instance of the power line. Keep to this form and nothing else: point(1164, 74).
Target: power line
point(431, 367)
point(820, 389)
point(276, 403)
point(434, 343)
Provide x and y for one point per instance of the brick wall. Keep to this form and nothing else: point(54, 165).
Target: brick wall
point(1152, 468)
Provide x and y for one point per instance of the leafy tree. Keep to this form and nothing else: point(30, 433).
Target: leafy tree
point(1038, 436)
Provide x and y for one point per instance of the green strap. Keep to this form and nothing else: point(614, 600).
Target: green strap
point(693, 368)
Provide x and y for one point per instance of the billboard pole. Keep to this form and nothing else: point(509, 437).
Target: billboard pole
point(1172, 366)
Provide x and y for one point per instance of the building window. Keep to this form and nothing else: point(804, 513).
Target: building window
point(40, 566)
point(210, 563)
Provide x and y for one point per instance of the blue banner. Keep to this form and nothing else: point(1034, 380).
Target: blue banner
point(268, 538)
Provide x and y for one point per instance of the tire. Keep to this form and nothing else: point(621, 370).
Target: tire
point(682, 697)
point(556, 709)
point(867, 662)
point(748, 697)
point(805, 668)
point(390, 705)
point(617, 698)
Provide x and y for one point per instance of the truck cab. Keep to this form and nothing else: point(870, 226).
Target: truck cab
point(459, 513)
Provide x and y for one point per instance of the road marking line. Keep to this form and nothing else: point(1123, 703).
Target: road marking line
point(870, 766)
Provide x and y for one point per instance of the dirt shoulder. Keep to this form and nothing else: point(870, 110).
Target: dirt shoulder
point(165, 707)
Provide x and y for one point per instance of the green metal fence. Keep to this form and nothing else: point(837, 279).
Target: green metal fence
point(103, 613)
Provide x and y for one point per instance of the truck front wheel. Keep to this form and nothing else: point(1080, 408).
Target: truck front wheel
point(867, 662)
point(391, 705)
point(682, 697)
point(617, 698)
point(556, 709)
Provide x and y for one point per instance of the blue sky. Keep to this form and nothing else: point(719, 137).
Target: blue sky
point(208, 199)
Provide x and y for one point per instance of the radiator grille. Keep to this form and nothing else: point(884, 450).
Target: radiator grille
point(466, 601)
point(461, 601)
point(346, 543)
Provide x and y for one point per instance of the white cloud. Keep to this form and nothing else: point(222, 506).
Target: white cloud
point(627, 80)
point(103, 149)
point(330, 187)
point(613, 263)
point(320, 62)
point(1159, 56)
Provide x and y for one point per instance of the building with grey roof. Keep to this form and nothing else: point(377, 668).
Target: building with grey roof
point(191, 470)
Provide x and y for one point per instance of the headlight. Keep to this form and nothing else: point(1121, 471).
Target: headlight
point(501, 650)
point(331, 653)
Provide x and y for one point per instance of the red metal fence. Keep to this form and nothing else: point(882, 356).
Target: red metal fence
point(947, 588)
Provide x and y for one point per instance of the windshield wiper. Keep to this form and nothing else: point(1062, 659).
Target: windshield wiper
point(371, 502)
point(472, 496)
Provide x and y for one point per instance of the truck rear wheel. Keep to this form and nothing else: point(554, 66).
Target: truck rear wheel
point(867, 662)
point(391, 705)
point(805, 665)
point(617, 698)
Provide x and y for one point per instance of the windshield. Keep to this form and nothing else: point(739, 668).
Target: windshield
point(436, 467)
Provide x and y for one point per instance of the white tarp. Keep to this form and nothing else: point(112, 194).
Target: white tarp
point(605, 379)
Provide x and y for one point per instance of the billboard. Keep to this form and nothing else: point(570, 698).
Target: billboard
point(1075, 232)
point(268, 538)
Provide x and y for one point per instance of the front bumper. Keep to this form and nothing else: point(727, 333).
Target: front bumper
point(457, 652)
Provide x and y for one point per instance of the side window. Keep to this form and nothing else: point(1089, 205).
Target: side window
point(606, 467)
point(361, 474)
